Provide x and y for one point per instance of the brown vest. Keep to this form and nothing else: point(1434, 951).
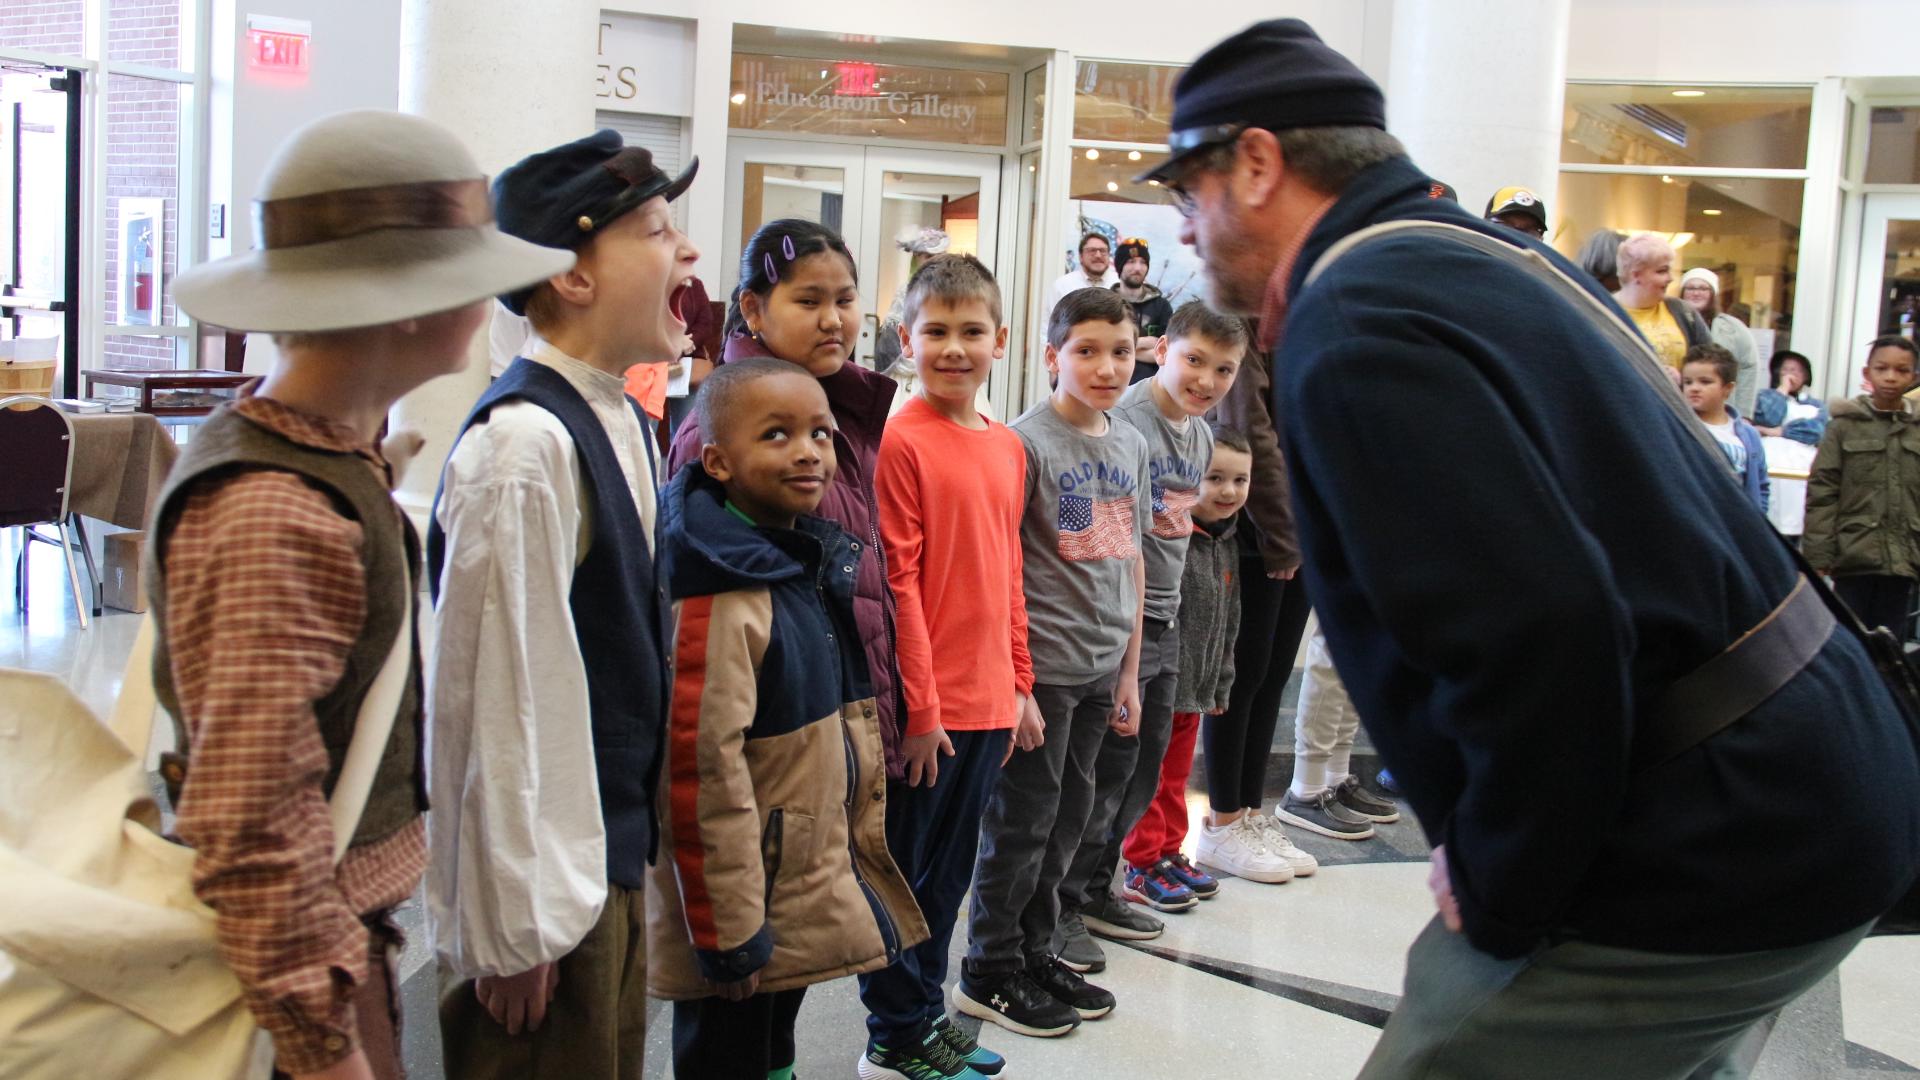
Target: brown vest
point(230, 443)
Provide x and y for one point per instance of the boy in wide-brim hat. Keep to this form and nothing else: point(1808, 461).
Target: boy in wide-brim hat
point(549, 684)
point(283, 568)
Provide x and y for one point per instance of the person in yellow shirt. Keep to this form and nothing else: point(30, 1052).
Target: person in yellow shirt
point(1646, 269)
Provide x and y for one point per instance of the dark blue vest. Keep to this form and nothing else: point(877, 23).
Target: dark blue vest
point(619, 615)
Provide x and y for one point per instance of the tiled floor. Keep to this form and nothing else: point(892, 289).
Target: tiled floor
point(1291, 980)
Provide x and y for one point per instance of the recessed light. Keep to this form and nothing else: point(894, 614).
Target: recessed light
point(1032, 168)
point(1666, 179)
point(738, 99)
point(1689, 93)
point(1711, 213)
point(1153, 183)
point(1093, 155)
point(1133, 155)
point(1111, 186)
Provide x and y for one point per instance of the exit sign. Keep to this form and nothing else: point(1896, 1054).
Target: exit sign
point(859, 80)
point(280, 46)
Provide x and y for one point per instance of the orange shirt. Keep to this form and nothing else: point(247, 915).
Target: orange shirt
point(950, 502)
point(647, 384)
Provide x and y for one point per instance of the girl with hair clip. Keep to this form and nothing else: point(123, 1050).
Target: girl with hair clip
point(798, 300)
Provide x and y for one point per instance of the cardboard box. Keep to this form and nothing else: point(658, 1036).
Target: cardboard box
point(124, 573)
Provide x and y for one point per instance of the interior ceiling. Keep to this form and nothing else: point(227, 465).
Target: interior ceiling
point(748, 37)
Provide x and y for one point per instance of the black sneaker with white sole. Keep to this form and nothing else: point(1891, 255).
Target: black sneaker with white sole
point(1354, 796)
point(1015, 1002)
point(1112, 917)
point(1087, 1001)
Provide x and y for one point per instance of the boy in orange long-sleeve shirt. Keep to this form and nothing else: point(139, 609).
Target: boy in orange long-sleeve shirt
point(951, 485)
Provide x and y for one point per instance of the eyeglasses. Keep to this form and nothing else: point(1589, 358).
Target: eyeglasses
point(1192, 143)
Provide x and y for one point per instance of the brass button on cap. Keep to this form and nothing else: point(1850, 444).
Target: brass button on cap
point(585, 223)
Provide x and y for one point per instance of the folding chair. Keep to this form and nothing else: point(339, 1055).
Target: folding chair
point(36, 442)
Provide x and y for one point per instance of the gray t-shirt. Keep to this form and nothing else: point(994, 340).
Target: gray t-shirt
point(1086, 514)
point(1176, 460)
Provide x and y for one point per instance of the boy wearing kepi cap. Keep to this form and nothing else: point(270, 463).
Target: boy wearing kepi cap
point(283, 570)
point(549, 690)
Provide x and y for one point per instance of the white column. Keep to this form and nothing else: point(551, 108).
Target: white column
point(1476, 89)
point(510, 78)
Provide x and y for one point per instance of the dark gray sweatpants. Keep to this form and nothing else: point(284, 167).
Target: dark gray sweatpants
point(1127, 773)
point(1032, 828)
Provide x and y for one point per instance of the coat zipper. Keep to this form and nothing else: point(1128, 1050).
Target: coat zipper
point(889, 935)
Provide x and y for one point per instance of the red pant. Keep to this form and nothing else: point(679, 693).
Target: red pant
point(1163, 828)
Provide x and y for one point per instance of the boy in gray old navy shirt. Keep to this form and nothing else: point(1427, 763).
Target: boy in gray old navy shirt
point(1088, 512)
point(1198, 359)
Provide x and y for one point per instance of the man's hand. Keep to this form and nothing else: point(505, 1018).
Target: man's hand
point(352, 1067)
point(1283, 575)
point(519, 1001)
point(1217, 712)
point(923, 755)
point(1442, 888)
point(1124, 719)
point(739, 991)
point(1029, 728)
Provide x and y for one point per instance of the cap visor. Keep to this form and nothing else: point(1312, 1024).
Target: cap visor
point(364, 281)
point(681, 182)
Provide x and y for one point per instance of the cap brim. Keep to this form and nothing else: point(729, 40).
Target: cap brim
point(682, 182)
point(369, 280)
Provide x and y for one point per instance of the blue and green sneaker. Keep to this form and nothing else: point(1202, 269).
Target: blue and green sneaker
point(978, 1058)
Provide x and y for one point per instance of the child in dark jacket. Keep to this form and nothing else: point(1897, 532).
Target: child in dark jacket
point(774, 872)
point(1209, 623)
point(1863, 498)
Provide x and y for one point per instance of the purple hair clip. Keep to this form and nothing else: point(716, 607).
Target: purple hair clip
point(786, 247)
point(773, 272)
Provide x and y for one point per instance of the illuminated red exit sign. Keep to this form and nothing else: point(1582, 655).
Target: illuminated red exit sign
point(859, 80)
point(281, 46)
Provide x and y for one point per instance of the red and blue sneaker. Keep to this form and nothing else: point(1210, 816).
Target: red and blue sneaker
point(1158, 888)
point(1203, 885)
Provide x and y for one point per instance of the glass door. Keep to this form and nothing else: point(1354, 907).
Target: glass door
point(768, 180)
point(908, 193)
point(39, 216)
point(1889, 293)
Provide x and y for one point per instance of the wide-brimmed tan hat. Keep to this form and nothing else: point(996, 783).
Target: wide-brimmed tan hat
point(365, 218)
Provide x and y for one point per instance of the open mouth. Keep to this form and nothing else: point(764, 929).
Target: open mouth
point(676, 301)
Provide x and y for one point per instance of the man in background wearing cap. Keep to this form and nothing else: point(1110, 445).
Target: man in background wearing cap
point(1627, 880)
point(284, 571)
point(1151, 310)
point(1520, 210)
point(549, 684)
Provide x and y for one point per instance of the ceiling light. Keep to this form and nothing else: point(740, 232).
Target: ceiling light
point(1032, 168)
point(1711, 213)
point(1093, 155)
point(1666, 179)
point(1111, 186)
point(738, 99)
point(1689, 93)
point(1133, 155)
point(1153, 183)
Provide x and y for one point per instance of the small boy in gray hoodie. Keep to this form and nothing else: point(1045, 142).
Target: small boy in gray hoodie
point(1209, 623)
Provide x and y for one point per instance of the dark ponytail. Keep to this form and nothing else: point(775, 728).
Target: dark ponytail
point(777, 246)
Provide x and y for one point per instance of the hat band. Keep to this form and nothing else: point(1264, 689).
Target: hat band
point(326, 216)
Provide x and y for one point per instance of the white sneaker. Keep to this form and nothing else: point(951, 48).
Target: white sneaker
point(1279, 843)
point(1240, 849)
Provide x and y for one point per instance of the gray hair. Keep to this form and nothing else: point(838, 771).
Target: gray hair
point(1643, 252)
point(1327, 158)
point(1600, 255)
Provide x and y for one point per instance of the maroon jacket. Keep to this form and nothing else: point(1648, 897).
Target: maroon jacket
point(860, 400)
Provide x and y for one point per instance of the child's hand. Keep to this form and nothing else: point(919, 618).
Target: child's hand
point(1029, 729)
point(738, 991)
point(1125, 717)
point(1217, 712)
point(923, 755)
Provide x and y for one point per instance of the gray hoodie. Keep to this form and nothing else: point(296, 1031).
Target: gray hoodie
point(1209, 617)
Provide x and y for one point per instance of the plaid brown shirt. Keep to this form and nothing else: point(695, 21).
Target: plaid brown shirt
point(265, 597)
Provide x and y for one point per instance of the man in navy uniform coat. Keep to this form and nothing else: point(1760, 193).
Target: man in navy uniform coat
point(1521, 556)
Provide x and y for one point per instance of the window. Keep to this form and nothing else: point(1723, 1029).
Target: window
point(47, 26)
point(1657, 158)
point(1123, 102)
point(1893, 145)
point(1121, 113)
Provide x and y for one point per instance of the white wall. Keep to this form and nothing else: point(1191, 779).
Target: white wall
point(1740, 40)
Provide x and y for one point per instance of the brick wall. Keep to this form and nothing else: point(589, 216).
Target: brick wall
point(52, 26)
point(143, 160)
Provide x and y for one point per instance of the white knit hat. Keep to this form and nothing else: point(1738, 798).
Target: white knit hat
point(1701, 273)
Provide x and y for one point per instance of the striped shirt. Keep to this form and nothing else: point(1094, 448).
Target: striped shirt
point(266, 595)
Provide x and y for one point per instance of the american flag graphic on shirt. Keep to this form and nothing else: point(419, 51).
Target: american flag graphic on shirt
point(1173, 512)
point(1093, 530)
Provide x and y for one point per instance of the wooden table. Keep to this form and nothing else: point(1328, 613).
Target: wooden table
point(120, 462)
point(165, 383)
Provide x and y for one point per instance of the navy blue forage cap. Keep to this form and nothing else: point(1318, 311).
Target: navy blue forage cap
point(1276, 75)
point(563, 197)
